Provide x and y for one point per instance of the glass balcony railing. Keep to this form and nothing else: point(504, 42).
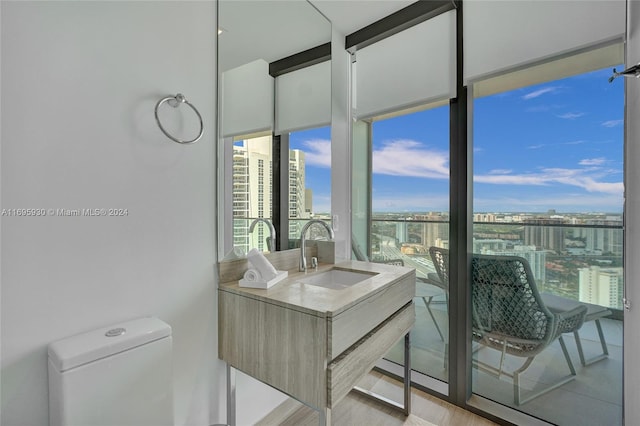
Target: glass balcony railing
point(582, 262)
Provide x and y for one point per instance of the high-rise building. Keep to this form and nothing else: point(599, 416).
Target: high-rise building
point(402, 234)
point(252, 183)
point(603, 240)
point(297, 193)
point(544, 233)
point(435, 228)
point(601, 286)
point(537, 258)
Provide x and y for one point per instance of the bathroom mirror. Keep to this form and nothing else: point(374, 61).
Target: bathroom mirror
point(274, 81)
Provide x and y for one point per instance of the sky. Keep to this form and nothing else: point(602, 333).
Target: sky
point(556, 145)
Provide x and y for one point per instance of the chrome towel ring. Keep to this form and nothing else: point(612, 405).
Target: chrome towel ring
point(175, 101)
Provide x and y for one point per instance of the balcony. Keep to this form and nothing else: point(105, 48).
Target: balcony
point(595, 396)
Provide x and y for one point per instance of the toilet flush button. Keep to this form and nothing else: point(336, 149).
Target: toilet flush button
point(114, 332)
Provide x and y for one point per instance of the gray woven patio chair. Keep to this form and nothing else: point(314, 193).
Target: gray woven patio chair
point(509, 315)
point(440, 259)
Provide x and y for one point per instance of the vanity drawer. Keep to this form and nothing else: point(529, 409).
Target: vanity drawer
point(349, 326)
point(345, 371)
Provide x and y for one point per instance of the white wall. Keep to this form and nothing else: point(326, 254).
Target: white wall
point(632, 222)
point(79, 84)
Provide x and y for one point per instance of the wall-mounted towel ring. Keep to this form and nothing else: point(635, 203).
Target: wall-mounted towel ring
point(175, 101)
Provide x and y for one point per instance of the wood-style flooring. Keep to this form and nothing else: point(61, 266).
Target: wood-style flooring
point(355, 409)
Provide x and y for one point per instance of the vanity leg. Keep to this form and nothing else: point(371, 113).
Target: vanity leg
point(407, 375)
point(231, 396)
point(406, 407)
point(324, 419)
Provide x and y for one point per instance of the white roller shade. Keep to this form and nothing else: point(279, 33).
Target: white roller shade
point(503, 35)
point(413, 67)
point(303, 98)
point(247, 99)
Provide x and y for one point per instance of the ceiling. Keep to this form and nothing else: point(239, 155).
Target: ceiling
point(268, 30)
point(348, 16)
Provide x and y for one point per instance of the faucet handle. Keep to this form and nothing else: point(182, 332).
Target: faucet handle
point(314, 262)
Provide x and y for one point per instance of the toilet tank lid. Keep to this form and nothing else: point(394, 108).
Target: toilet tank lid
point(84, 348)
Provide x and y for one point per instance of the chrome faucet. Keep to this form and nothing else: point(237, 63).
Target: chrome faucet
point(303, 250)
point(272, 232)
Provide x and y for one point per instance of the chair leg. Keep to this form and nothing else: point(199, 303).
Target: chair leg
point(427, 303)
point(517, 396)
point(603, 344)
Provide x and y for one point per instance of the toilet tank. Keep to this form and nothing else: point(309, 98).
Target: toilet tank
point(118, 375)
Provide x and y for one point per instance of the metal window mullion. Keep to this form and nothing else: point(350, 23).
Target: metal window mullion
point(369, 186)
point(460, 231)
point(280, 190)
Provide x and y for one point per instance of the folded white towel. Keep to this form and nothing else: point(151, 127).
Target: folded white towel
point(252, 275)
point(261, 264)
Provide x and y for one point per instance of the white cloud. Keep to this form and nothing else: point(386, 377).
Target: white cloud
point(612, 123)
point(571, 115)
point(592, 161)
point(318, 152)
point(574, 142)
point(582, 178)
point(535, 146)
point(405, 157)
point(539, 92)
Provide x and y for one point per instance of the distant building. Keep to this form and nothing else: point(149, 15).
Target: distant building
point(252, 198)
point(401, 232)
point(484, 217)
point(483, 246)
point(297, 193)
point(544, 233)
point(601, 286)
point(537, 258)
point(604, 240)
point(252, 183)
point(442, 243)
point(434, 229)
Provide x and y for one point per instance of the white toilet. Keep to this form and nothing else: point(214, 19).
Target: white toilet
point(118, 375)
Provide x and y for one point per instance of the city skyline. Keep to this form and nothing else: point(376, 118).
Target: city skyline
point(555, 145)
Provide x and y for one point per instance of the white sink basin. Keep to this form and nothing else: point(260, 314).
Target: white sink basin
point(337, 279)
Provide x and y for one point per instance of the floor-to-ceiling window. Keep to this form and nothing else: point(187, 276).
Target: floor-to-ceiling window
point(547, 240)
point(400, 174)
point(410, 214)
point(541, 56)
